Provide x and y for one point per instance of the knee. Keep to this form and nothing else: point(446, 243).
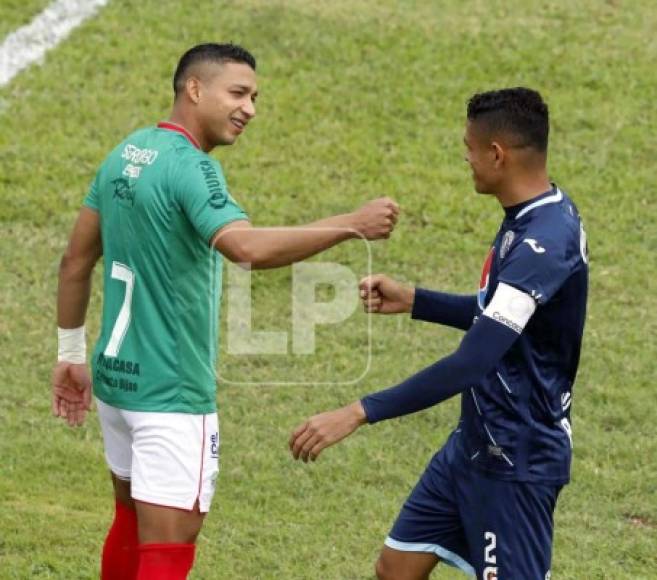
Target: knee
point(383, 570)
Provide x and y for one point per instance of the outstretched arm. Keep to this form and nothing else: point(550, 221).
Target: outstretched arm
point(383, 295)
point(71, 384)
point(273, 247)
point(482, 347)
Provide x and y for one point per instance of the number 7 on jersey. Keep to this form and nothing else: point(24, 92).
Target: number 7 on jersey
point(124, 274)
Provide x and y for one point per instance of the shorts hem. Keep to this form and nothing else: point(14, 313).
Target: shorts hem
point(444, 554)
point(169, 502)
point(122, 474)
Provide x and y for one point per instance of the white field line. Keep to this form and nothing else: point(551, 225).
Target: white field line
point(31, 42)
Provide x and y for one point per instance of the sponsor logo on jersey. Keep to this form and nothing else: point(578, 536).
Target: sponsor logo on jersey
point(137, 155)
point(133, 171)
point(116, 383)
point(485, 279)
point(118, 365)
point(534, 245)
point(218, 197)
point(124, 191)
point(507, 240)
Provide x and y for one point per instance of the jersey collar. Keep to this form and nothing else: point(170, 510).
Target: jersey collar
point(179, 129)
point(553, 195)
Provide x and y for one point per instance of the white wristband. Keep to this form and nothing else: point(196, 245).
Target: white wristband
point(72, 345)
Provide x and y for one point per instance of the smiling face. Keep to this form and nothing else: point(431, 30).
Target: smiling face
point(224, 95)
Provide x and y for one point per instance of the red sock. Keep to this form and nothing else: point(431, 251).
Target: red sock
point(120, 552)
point(165, 561)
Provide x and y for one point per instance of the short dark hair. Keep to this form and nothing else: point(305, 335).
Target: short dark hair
point(518, 111)
point(209, 52)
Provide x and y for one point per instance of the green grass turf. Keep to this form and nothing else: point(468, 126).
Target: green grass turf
point(358, 99)
point(17, 13)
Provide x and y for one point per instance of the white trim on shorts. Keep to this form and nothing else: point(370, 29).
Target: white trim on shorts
point(171, 459)
point(444, 554)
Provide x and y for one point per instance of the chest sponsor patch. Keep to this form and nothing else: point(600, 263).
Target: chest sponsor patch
point(485, 279)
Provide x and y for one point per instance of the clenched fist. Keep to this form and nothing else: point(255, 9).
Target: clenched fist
point(376, 219)
point(383, 295)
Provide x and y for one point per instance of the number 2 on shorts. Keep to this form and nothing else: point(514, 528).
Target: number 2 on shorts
point(125, 274)
point(490, 572)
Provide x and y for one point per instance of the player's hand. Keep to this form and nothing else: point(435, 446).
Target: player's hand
point(71, 392)
point(376, 219)
point(310, 438)
point(383, 295)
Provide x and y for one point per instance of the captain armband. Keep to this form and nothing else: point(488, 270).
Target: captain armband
point(72, 346)
point(511, 307)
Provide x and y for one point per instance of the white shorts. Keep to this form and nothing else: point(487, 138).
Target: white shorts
point(171, 459)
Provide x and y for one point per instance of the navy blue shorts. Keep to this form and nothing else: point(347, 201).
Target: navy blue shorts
point(489, 528)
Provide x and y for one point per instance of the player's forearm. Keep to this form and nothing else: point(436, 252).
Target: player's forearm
point(453, 310)
point(82, 253)
point(275, 247)
point(481, 349)
point(73, 293)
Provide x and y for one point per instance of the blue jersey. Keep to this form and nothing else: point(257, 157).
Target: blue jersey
point(516, 423)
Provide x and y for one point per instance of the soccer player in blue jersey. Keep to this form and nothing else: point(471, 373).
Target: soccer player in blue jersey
point(485, 503)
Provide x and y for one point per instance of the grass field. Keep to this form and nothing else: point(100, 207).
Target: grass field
point(358, 99)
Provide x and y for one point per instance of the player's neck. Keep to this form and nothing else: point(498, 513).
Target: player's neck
point(523, 189)
point(178, 117)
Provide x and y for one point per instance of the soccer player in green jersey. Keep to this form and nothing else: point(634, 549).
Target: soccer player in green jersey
point(160, 214)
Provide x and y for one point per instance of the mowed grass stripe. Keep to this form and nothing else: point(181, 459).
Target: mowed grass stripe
point(17, 13)
point(31, 42)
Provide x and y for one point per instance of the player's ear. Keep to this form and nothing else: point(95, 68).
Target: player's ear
point(193, 89)
point(498, 154)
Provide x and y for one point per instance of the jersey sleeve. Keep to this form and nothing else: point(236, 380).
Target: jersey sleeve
point(452, 310)
point(482, 347)
point(538, 265)
point(91, 201)
point(200, 189)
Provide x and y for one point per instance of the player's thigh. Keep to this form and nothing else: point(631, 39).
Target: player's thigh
point(430, 521)
point(509, 528)
point(164, 525)
point(398, 565)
